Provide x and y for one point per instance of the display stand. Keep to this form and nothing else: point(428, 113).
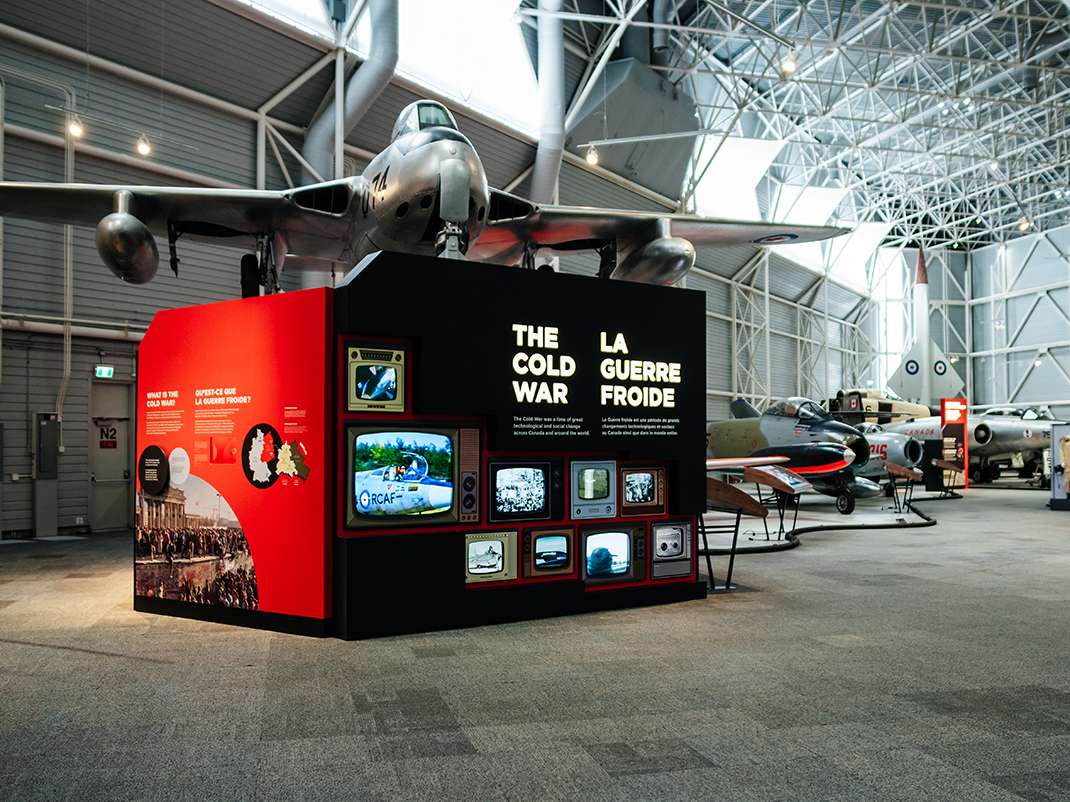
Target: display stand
point(433, 444)
point(725, 497)
point(901, 476)
point(786, 486)
point(1060, 466)
point(541, 383)
point(947, 472)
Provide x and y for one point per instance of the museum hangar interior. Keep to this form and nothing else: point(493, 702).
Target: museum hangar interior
point(915, 125)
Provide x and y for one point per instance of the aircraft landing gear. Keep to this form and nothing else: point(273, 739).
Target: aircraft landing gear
point(845, 502)
point(452, 241)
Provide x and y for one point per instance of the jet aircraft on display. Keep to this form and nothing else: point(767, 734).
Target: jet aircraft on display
point(887, 447)
point(995, 441)
point(401, 489)
point(876, 406)
point(426, 193)
point(824, 451)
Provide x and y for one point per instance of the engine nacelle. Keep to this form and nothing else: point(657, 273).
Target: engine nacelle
point(982, 433)
point(127, 247)
point(664, 261)
point(912, 452)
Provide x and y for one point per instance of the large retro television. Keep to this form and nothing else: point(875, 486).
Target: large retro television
point(375, 377)
point(613, 553)
point(490, 556)
point(642, 491)
point(548, 551)
point(670, 549)
point(410, 474)
point(593, 489)
point(525, 490)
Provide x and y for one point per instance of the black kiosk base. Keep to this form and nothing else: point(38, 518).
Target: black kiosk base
point(512, 445)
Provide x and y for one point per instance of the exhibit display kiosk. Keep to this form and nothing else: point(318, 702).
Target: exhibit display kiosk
point(434, 444)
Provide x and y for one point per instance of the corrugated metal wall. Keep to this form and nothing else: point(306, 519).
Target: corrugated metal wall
point(32, 367)
point(1020, 315)
point(223, 149)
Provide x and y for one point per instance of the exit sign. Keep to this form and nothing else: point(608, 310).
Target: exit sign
point(105, 371)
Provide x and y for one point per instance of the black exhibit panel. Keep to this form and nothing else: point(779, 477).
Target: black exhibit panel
point(524, 399)
point(555, 362)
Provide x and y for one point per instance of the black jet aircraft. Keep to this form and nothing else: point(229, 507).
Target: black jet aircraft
point(824, 451)
point(426, 193)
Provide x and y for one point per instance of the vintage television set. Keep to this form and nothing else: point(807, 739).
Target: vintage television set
point(613, 553)
point(375, 377)
point(642, 491)
point(548, 551)
point(670, 549)
point(411, 474)
point(490, 556)
point(593, 489)
point(525, 490)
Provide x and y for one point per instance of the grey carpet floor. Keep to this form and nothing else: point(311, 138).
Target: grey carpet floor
point(913, 664)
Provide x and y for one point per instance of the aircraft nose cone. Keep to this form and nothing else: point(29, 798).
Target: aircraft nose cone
point(440, 496)
point(860, 447)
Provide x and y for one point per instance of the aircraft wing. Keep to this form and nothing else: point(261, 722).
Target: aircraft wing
point(513, 222)
point(199, 210)
point(737, 464)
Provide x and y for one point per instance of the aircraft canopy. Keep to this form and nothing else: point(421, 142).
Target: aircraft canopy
point(797, 407)
point(420, 115)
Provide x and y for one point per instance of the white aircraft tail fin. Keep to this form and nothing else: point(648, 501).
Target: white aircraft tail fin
point(907, 379)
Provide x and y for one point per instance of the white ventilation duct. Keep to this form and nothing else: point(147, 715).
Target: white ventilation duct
point(664, 14)
point(552, 103)
point(364, 88)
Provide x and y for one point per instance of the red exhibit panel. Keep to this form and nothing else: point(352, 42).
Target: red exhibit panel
point(235, 466)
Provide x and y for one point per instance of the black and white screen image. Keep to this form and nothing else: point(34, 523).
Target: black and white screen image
point(551, 551)
point(593, 483)
point(486, 557)
point(639, 488)
point(376, 382)
point(608, 554)
point(669, 541)
point(519, 490)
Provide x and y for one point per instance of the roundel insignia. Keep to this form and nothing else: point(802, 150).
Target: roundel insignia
point(773, 239)
point(911, 367)
point(940, 368)
point(364, 500)
point(1027, 433)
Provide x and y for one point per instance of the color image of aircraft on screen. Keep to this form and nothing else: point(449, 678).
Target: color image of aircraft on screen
point(426, 193)
point(824, 451)
point(403, 488)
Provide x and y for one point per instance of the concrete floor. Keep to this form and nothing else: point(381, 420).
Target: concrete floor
point(912, 664)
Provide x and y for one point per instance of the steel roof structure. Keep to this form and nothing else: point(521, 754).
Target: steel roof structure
point(947, 120)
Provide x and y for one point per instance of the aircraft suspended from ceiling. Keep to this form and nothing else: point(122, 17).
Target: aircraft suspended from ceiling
point(426, 194)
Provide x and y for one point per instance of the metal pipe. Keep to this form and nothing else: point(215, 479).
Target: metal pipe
point(551, 102)
point(339, 113)
point(370, 80)
point(34, 327)
point(664, 11)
